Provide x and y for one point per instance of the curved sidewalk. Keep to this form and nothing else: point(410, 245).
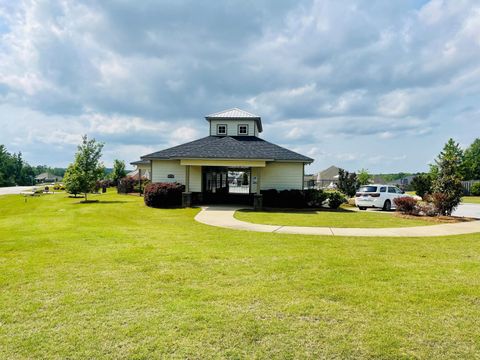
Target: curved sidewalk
point(223, 216)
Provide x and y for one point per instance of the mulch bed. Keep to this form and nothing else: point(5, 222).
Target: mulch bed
point(436, 219)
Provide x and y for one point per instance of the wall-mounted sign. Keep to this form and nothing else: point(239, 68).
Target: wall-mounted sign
point(171, 176)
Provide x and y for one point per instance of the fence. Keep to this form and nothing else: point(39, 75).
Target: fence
point(467, 185)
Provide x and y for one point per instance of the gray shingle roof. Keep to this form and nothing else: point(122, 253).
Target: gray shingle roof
point(140, 162)
point(236, 113)
point(228, 147)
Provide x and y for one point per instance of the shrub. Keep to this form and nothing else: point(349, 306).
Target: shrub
point(442, 203)
point(163, 195)
point(406, 205)
point(293, 198)
point(475, 190)
point(314, 198)
point(126, 185)
point(335, 199)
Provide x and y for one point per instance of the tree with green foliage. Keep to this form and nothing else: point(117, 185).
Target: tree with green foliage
point(347, 182)
point(87, 169)
point(422, 184)
point(72, 180)
point(448, 182)
point(363, 177)
point(119, 171)
point(471, 161)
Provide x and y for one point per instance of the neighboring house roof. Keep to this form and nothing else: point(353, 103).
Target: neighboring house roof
point(140, 162)
point(236, 113)
point(229, 147)
point(330, 173)
point(134, 174)
point(47, 176)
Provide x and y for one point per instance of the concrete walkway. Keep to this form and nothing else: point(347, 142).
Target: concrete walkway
point(223, 216)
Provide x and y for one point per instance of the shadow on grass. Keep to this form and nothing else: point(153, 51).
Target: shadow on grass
point(100, 202)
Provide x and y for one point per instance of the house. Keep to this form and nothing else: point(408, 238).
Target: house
point(47, 178)
point(142, 168)
point(328, 177)
point(230, 163)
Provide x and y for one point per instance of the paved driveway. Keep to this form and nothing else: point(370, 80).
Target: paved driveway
point(14, 189)
point(468, 210)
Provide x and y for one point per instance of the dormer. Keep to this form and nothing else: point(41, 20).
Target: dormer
point(234, 122)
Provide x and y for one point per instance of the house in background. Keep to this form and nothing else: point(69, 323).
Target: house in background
point(142, 168)
point(210, 167)
point(327, 178)
point(47, 178)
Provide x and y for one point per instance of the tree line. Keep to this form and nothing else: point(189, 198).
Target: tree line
point(14, 170)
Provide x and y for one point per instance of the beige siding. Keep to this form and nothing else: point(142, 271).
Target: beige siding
point(282, 176)
point(162, 168)
point(195, 178)
point(232, 126)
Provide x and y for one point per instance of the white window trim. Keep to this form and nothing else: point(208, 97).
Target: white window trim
point(226, 129)
point(239, 126)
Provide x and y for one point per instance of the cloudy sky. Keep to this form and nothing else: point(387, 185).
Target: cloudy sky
point(361, 84)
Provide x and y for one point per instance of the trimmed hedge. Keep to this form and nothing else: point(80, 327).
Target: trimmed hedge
point(406, 205)
point(293, 198)
point(163, 195)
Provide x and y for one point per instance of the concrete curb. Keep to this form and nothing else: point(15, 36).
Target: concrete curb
point(223, 216)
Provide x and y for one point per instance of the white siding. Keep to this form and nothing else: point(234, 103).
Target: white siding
point(195, 178)
point(232, 126)
point(143, 167)
point(282, 176)
point(162, 168)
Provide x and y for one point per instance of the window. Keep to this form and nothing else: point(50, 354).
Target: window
point(383, 189)
point(221, 129)
point(392, 190)
point(242, 129)
point(368, 189)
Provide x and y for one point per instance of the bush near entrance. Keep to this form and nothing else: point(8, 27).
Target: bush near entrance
point(406, 205)
point(163, 195)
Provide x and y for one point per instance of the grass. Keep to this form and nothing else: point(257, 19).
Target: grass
point(341, 218)
point(114, 279)
point(471, 199)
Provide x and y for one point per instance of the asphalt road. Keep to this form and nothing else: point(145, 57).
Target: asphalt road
point(468, 210)
point(14, 189)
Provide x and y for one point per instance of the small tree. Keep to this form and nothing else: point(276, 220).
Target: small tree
point(448, 182)
point(347, 182)
point(86, 170)
point(422, 184)
point(363, 176)
point(72, 180)
point(118, 170)
point(471, 162)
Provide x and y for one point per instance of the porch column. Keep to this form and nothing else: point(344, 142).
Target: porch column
point(187, 195)
point(258, 197)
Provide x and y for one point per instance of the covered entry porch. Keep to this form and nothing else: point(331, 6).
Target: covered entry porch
point(226, 181)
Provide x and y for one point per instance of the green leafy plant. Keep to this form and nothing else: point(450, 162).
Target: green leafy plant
point(475, 190)
point(163, 195)
point(348, 183)
point(335, 199)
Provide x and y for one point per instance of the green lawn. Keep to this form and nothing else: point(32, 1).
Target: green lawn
point(115, 279)
point(471, 199)
point(341, 218)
